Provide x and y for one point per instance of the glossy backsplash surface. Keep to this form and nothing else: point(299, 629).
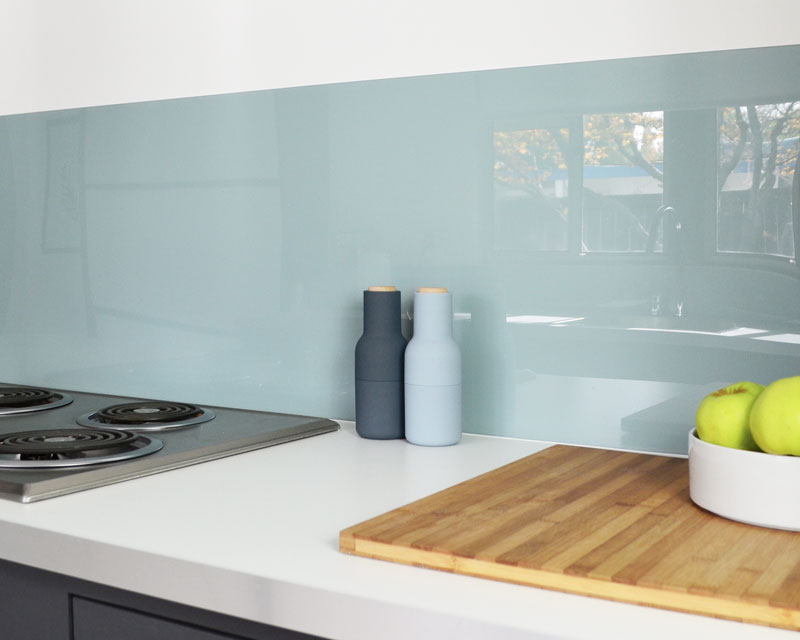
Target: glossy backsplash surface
point(619, 238)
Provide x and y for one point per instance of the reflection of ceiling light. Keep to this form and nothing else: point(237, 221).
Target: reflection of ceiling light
point(539, 319)
point(741, 331)
point(702, 333)
point(789, 338)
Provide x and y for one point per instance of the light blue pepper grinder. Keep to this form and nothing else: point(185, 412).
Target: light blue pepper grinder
point(433, 372)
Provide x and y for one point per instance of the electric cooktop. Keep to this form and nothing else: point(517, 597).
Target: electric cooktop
point(54, 442)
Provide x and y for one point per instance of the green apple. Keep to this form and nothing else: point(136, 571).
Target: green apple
point(775, 418)
point(723, 416)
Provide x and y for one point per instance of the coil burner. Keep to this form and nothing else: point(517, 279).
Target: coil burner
point(147, 416)
point(15, 400)
point(48, 448)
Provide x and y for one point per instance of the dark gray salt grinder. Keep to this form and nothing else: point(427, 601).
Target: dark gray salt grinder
point(379, 368)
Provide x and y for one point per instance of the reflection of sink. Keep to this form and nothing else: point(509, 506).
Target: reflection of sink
point(703, 324)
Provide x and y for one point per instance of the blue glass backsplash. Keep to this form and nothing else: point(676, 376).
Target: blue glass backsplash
point(620, 238)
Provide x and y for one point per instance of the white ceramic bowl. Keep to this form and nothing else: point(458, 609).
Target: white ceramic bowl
point(748, 486)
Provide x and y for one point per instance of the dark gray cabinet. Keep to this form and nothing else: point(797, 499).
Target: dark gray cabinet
point(37, 604)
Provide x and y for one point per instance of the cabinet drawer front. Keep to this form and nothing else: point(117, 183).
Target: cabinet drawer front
point(93, 620)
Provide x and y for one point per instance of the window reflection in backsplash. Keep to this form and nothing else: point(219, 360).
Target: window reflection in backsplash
point(531, 189)
point(619, 238)
point(621, 185)
point(758, 150)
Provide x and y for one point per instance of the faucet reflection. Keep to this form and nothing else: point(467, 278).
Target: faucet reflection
point(671, 246)
point(664, 211)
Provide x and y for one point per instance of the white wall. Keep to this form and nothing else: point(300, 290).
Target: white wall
point(56, 54)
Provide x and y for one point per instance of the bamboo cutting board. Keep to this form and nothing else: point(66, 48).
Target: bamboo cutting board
point(602, 523)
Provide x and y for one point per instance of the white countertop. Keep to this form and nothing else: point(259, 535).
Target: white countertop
point(256, 536)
